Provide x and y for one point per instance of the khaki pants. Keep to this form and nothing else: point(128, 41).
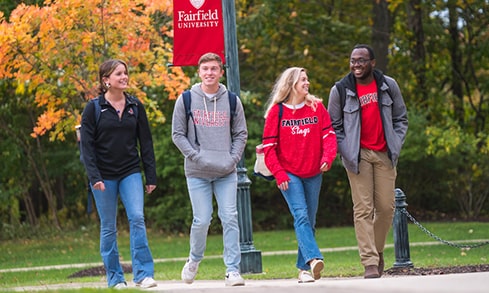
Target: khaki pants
point(373, 203)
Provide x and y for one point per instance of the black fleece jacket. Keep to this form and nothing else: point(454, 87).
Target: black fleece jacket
point(110, 146)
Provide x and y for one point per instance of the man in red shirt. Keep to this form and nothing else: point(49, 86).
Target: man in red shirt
point(370, 120)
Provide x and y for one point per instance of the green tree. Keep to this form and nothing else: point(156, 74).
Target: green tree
point(50, 56)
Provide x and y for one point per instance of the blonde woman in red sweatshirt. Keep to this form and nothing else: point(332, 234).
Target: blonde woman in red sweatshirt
point(299, 145)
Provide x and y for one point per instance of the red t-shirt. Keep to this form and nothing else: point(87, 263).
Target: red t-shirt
point(300, 144)
point(372, 132)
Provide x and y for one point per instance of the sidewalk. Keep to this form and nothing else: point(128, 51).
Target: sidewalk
point(451, 283)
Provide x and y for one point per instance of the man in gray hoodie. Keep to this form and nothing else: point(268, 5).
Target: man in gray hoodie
point(212, 148)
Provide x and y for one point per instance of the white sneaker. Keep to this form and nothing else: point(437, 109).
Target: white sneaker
point(317, 267)
point(121, 285)
point(147, 282)
point(234, 279)
point(189, 271)
point(305, 277)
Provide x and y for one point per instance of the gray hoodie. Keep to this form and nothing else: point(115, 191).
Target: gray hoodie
point(220, 145)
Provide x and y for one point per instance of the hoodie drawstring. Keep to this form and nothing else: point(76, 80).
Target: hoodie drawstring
point(207, 112)
point(215, 108)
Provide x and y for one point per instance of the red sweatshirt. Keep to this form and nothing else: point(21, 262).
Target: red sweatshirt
point(303, 142)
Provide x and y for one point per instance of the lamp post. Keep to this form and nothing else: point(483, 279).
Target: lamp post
point(250, 257)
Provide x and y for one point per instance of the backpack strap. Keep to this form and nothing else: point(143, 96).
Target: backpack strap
point(342, 93)
point(280, 111)
point(232, 106)
point(188, 112)
point(186, 103)
point(97, 109)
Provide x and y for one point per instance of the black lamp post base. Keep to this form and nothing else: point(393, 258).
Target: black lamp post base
point(251, 262)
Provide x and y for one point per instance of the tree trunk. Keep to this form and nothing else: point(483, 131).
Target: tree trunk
point(381, 30)
point(29, 207)
point(415, 24)
point(44, 181)
point(456, 57)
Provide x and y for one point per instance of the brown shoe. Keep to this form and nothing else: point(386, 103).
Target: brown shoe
point(381, 264)
point(371, 272)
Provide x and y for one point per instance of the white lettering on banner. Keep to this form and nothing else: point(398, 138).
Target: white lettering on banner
point(200, 15)
point(198, 24)
point(200, 19)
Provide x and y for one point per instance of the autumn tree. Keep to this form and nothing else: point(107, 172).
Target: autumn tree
point(51, 54)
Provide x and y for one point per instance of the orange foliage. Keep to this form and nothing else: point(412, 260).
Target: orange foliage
point(54, 52)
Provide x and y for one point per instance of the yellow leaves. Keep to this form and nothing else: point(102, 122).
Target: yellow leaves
point(136, 43)
point(54, 52)
point(47, 120)
point(21, 88)
point(175, 82)
point(159, 5)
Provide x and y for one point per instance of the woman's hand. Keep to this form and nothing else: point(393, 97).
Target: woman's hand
point(324, 167)
point(283, 186)
point(99, 186)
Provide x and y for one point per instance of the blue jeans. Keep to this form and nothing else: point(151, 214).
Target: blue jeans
point(201, 192)
point(131, 193)
point(302, 197)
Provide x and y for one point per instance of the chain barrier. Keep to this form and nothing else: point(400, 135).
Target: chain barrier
point(463, 246)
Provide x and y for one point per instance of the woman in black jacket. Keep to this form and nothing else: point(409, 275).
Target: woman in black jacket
point(112, 126)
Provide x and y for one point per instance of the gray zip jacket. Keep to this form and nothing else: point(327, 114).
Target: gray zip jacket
point(345, 115)
point(220, 145)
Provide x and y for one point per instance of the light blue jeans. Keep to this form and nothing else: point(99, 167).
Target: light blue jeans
point(131, 193)
point(201, 191)
point(302, 197)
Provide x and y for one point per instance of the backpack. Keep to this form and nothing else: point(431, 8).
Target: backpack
point(98, 112)
point(188, 113)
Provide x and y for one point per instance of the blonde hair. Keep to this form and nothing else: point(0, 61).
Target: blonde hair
point(284, 89)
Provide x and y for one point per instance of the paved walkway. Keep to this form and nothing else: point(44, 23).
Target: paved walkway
point(452, 283)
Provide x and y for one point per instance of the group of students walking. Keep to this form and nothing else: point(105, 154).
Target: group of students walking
point(366, 123)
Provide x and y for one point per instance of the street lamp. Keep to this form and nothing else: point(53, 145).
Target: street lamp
point(250, 257)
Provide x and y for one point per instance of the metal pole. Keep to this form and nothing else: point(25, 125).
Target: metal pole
point(400, 230)
point(250, 257)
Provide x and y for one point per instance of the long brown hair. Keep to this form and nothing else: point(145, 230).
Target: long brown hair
point(105, 70)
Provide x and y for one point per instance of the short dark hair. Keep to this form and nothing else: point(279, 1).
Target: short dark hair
point(207, 57)
point(369, 49)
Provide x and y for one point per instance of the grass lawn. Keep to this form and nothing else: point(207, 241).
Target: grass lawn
point(82, 246)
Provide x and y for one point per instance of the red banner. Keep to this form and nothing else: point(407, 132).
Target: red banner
point(198, 29)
